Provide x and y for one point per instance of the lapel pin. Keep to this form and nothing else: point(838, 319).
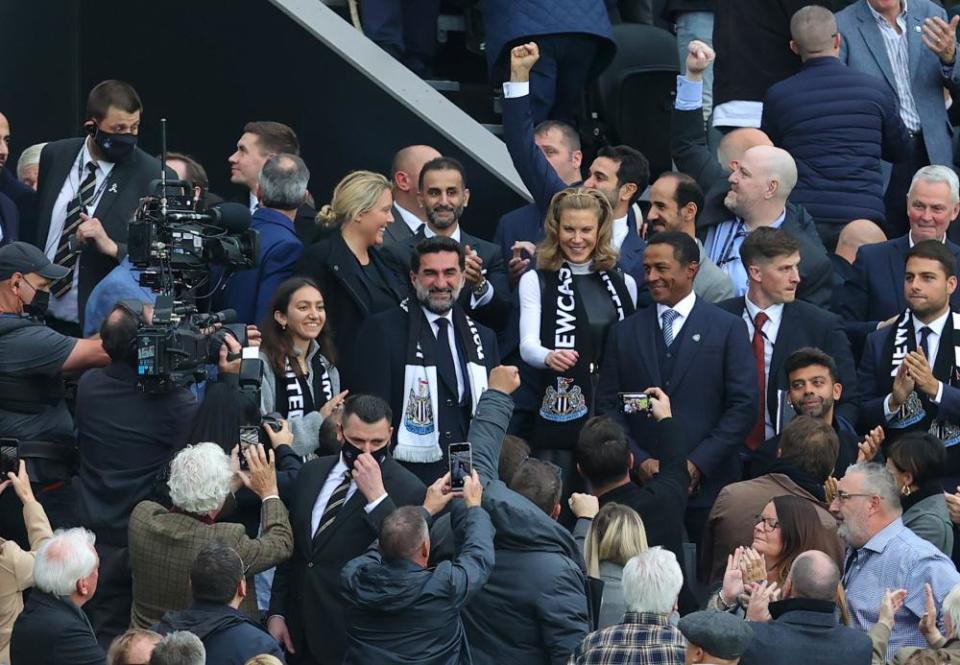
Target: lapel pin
point(917, 28)
point(113, 188)
point(696, 338)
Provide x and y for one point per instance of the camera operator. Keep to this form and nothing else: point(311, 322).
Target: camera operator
point(33, 359)
point(125, 437)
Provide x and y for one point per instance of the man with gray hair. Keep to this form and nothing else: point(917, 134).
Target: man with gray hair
point(28, 166)
point(873, 297)
point(165, 543)
point(760, 184)
point(53, 628)
point(803, 628)
point(281, 192)
point(651, 584)
point(838, 124)
point(884, 554)
point(179, 648)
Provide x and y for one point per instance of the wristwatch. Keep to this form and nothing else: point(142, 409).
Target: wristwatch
point(481, 289)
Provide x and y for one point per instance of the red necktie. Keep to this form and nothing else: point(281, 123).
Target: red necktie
point(757, 435)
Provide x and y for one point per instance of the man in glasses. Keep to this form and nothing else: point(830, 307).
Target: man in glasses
point(884, 554)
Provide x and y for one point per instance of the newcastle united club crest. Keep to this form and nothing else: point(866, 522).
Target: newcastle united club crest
point(565, 403)
point(419, 415)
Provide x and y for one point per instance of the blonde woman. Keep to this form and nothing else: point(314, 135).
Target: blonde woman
point(609, 536)
point(566, 307)
point(346, 265)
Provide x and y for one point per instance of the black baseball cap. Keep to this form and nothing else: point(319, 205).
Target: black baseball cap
point(24, 257)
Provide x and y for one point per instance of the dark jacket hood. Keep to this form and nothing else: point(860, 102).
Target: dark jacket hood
point(203, 620)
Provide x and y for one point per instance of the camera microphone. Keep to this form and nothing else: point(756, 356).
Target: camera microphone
point(225, 316)
point(234, 217)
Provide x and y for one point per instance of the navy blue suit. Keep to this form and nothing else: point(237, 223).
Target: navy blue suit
point(9, 220)
point(25, 199)
point(249, 291)
point(874, 293)
point(712, 388)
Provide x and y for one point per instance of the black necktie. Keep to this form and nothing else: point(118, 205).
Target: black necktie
point(445, 365)
point(337, 499)
point(80, 203)
point(924, 336)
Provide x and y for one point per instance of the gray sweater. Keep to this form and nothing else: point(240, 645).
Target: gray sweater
point(306, 428)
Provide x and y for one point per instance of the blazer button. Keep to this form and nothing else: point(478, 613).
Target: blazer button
point(449, 402)
point(447, 435)
point(669, 355)
point(310, 565)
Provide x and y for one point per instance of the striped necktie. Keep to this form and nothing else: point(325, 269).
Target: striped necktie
point(669, 316)
point(80, 203)
point(337, 499)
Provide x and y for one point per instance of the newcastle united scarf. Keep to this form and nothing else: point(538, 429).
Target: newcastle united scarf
point(294, 397)
point(918, 408)
point(418, 438)
point(564, 324)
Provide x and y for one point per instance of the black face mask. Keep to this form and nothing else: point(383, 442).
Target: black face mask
point(38, 306)
point(350, 454)
point(116, 148)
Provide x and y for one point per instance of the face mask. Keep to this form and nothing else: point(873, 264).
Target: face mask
point(37, 307)
point(116, 148)
point(351, 453)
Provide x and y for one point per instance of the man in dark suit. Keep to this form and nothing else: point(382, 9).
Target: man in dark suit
point(911, 49)
point(699, 356)
point(409, 215)
point(778, 324)
point(9, 220)
point(908, 373)
point(874, 297)
point(443, 197)
point(53, 628)
point(89, 189)
point(427, 360)
point(20, 194)
point(802, 628)
point(336, 510)
point(260, 141)
point(283, 186)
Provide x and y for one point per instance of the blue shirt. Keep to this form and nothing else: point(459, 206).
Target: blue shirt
point(723, 247)
point(896, 558)
point(120, 283)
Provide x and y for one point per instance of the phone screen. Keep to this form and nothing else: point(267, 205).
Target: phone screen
point(249, 436)
point(461, 464)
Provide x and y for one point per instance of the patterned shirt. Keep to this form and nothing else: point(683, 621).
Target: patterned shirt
point(896, 558)
point(642, 639)
point(896, 45)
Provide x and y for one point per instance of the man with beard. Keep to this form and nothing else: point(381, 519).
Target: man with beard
point(882, 553)
point(429, 362)
point(778, 324)
point(909, 373)
point(675, 202)
point(443, 197)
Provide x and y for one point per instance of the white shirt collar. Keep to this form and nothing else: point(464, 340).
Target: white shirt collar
point(409, 218)
point(877, 15)
point(912, 242)
point(432, 317)
point(936, 326)
point(620, 231)
point(429, 233)
point(774, 312)
point(683, 308)
point(254, 202)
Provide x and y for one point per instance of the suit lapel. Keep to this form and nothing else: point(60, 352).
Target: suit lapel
point(353, 504)
point(113, 188)
point(897, 270)
point(870, 32)
point(943, 366)
point(915, 47)
point(649, 329)
point(308, 500)
point(344, 265)
point(786, 334)
point(691, 340)
point(59, 170)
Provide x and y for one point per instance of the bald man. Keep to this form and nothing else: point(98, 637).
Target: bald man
point(838, 124)
point(759, 186)
point(407, 211)
point(802, 628)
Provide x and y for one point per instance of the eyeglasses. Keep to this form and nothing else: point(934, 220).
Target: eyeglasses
point(846, 496)
point(769, 523)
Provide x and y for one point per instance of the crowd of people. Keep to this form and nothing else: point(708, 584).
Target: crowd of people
point(704, 416)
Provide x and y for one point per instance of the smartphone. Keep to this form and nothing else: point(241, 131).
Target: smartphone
point(249, 436)
point(461, 463)
point(634, 403)
point(9, 456)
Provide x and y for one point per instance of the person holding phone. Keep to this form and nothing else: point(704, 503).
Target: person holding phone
point(300, 381)
point(566, 308)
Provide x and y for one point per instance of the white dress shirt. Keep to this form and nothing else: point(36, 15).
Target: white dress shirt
point(620, 231)
point(769, 332)
point(683, 308)
point(254, 202)
point(332, 482)
point(451, 342)
point(66, 308)
point(411, 220)
point(933, 345)
point(943, 238)
point(474, 300)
